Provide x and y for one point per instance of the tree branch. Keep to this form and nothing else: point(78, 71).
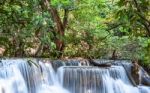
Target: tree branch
point(145, 21)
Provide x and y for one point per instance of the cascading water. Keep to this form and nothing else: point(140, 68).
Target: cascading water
point(20, 76)
point(11, 80)
point(97, 80)
point(44, 76)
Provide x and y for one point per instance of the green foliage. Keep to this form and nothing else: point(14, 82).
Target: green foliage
point(66, 4)
point(133, 15)
point(95, 28)
point(25, 22)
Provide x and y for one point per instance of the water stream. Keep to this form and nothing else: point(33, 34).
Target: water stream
point(44, 76)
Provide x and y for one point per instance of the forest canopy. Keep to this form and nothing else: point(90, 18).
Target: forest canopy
point(75, 28)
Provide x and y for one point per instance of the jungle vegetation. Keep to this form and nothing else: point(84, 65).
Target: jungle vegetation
point(75, 28)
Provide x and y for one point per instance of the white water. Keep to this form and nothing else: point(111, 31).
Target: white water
point(97, 80)
point(11, 81)
point(17, 76)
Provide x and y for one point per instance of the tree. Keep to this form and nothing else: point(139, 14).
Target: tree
point(84, 28)
point(60, 25)
point(134, 16)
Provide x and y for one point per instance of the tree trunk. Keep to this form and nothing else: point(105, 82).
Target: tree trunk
point(59, 27)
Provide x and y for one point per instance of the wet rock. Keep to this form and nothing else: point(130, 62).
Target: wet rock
point(100, 64)
point(145, 78)
point(146, 81)
point(135, 72)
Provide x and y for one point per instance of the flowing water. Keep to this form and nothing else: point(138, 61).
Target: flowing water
point(44, 76)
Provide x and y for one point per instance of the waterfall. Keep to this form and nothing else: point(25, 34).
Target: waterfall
point(11, 80)
point(97, 80)
point(45, 76)
point(24, 77)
